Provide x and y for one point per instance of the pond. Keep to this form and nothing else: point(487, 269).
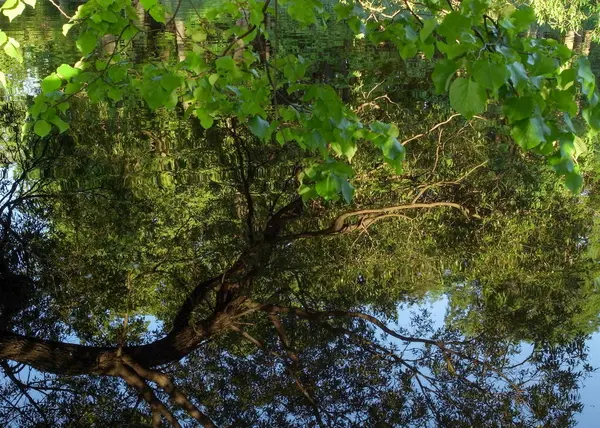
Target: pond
point(163, 253)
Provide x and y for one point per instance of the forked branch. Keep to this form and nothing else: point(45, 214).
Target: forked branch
point(167, 385)
point(157, 407)
point(367, 217)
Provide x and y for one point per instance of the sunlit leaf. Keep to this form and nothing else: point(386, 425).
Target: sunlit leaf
point(12, 49)
point(51, 83)
point(67, 72)
point(42, 128)
point(14, 11)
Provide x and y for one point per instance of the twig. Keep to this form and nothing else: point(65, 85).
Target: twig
point(247, 33)
point(413, 13)
point(56, 5)
point(431, 130)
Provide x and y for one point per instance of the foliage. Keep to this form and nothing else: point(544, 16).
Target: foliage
point(487, 54)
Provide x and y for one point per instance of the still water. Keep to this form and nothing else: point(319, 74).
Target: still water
point(45, 48)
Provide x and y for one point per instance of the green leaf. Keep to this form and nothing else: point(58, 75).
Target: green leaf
point(12, 49)
point(87, 42)
point(343, 11)
point(259, 127)
point(225, 63)
point(198, 36)
point(566, 78)
point(206, 120)
point(518, 108)
point(586, 77)
point(490, 75)
point(39, 106)
point(3, 79)
point(584, 70)
point(565, 101)
point(457, 49)
point(301, 12)
point(51, 83)
point(67, 72)
point(467, 97)
point(72, 88)
point(63, 107)
point(453, 25)
point(396, 164)
point(42, 128)
point(531, 132)
point(115, 94)
point(60, 124)
point(109, 16)
point(101, 65)
point(170, 82)
point(328, 187)
point(66, 28)
point(30, 3)
point(14, 11)
point(347, 191)
point(307, 192)
point(407, 50)
point(542, 65)
point(212, 79)
point(117, 73)
point(442, 73)
point(393, 149)
point(428, 49)
point(428, 27)
point(592, 116)
point(130, 32)
point(3, 37)
point(387, 129)
point(518, 75)
point(567, 146)
point(148, 4)
point(522, 18)
point(345, 147)
point(9, 4)
point(158, 13)
point(574, 181)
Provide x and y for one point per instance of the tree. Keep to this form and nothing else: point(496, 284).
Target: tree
point(271, 314)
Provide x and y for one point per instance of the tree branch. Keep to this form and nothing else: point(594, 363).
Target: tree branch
point(156, 406)
point(247, 33)
point(339, 225)
point(344, 314)
point(259, 344)
point(169, 387)
point(23, 388)
point(185, 336)
point(283, 337)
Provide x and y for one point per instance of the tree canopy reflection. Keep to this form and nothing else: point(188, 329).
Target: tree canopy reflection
point(279, 310)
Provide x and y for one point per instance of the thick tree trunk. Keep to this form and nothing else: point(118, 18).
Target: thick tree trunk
point(71, 359)
point(185, 335)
